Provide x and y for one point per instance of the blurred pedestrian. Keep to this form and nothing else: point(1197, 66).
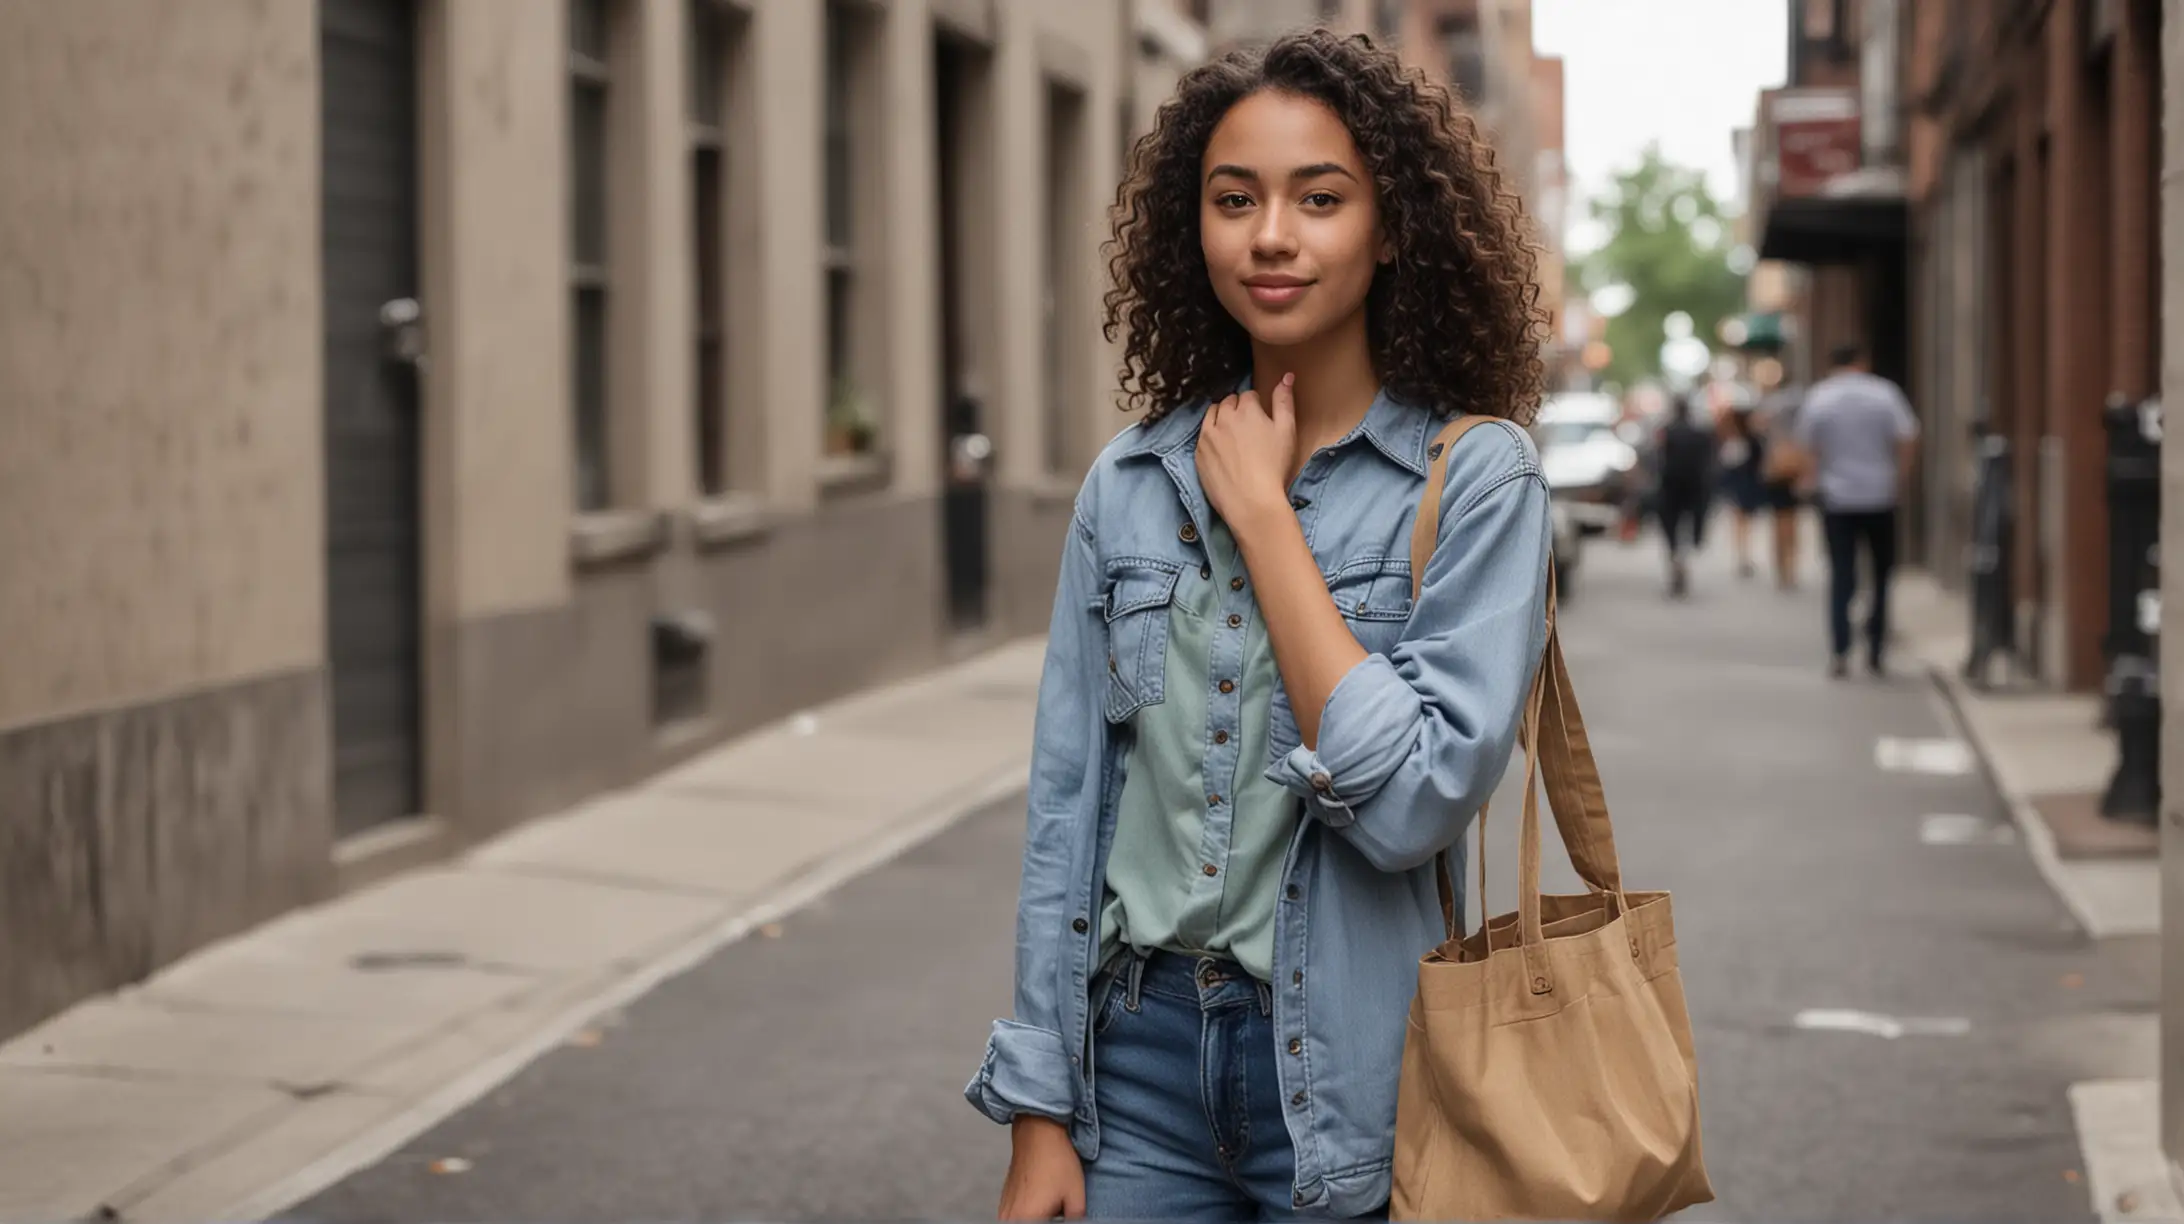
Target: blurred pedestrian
point(1250, 782)
point(1683, 486)
point(1743, 452)
point(1785, 469)
point(1863, 438)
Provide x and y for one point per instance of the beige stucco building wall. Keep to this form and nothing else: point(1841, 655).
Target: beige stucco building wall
point(159, 368)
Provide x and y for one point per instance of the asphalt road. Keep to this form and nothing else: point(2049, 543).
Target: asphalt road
point(816, 1075)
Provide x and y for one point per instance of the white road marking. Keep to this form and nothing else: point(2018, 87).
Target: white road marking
point(1938, 757)
point(1873, 1024)
point(1963, 829)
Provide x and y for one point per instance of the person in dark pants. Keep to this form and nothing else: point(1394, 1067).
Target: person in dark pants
point(1861, 437)
point(1683, 484)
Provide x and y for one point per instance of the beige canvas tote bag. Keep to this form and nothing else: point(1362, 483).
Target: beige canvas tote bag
point(1548, 1070)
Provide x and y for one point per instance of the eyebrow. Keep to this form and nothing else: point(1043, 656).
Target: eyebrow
point(1313, 171)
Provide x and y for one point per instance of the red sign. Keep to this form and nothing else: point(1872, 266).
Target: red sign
point(1816, 140)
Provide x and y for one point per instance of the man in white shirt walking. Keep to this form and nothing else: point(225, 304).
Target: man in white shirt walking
point(1858, 429)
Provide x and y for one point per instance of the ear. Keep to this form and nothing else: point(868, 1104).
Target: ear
point(1387, 250)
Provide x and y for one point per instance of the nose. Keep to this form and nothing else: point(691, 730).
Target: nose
point(1274, 237)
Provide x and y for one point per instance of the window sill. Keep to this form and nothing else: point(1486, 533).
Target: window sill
point(604, 537)
point(732, 518)
point(848, 475)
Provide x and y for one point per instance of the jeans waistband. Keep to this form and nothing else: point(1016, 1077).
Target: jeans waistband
point(1208, 981)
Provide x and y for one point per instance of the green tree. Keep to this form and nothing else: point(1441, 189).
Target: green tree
point(1668, 241)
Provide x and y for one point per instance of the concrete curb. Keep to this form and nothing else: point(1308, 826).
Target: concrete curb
point(2129, 1179)
point(550, 1031)
point(2039, 839)
point(2077, 886)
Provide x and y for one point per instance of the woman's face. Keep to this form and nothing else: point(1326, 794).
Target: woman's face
point(1288, 220)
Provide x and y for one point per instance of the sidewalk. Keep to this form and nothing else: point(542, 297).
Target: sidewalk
point(247, 1077)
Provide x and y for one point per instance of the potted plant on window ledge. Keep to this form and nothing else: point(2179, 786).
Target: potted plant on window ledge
point(850, 427)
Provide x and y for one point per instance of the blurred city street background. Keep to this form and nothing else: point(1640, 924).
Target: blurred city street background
point(525, 527)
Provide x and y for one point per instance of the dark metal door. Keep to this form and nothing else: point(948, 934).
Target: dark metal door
point(373, 350)
point(968, 458)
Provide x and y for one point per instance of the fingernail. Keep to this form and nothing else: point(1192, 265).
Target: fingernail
point(1289, 379)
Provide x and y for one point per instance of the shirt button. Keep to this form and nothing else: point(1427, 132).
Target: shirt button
point(1235, 620)
point(1297, 978)
point(1321, 784)
point(1189, 533)
point(1110, 662)
point(1220, 737)
point(1296, 1045)
point(1228, 686)
point(1212, 801)
point(1210, 869)
point(1297, 1099)
point(1080, 926)
point(1361, 607)
point(1296, 893)
point(1297, 1198)
point(1299, 503)
point(1235, 584)
point(1205, 571)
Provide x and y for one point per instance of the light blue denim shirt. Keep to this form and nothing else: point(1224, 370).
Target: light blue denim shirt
point(1412, 742)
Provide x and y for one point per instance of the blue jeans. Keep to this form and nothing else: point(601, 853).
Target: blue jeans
point(1191, 1124)
point(1848, 531)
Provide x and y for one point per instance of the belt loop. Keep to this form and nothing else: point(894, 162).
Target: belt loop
point(1266, 997)
point(1133, 990)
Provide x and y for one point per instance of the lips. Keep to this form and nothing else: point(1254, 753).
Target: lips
point(1276, 290)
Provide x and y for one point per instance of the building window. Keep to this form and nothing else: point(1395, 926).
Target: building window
point(1466, 53)
point(1063, 324)
point(852, 55)
point(590, 120)
point(1391, 21)
point(710, 35)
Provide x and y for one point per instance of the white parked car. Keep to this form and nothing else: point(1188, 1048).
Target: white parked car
point(1590, 468)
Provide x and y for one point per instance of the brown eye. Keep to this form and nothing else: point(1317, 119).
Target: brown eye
point(1232, 199)
point(1322, 199)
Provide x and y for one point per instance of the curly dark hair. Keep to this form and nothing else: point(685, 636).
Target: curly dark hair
point(1454, 322)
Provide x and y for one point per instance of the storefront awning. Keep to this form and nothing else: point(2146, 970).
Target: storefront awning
point(1834, 230)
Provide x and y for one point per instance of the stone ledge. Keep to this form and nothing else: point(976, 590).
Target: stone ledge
point(606, 536)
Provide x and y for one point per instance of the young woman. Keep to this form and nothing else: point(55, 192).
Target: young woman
point(1743, 477)
point(1252, 744)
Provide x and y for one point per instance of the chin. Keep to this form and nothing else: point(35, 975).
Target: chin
point(1282, 331)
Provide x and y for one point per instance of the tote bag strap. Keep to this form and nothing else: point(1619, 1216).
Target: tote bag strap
point(1425, 533)
point(1553, 736)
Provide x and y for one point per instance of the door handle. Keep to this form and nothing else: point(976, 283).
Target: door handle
point(402, 332)
point(969, 454)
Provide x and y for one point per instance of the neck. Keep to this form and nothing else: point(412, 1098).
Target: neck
point(1335, 385)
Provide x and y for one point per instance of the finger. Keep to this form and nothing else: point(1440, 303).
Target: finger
point(1249, 399)
point(1285, 400)
point(1073, 1201)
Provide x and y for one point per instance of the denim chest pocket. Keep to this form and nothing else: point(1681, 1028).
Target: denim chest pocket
point(1137, 601)
point(1374, 597)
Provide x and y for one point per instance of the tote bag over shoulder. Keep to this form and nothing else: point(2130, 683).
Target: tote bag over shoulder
point(1548, 1070)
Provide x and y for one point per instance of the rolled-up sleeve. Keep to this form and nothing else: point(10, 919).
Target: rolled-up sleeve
point(1412, 743)
point(1027, 1067)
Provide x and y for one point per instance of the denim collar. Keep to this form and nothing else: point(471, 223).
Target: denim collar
point(1394, 428)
